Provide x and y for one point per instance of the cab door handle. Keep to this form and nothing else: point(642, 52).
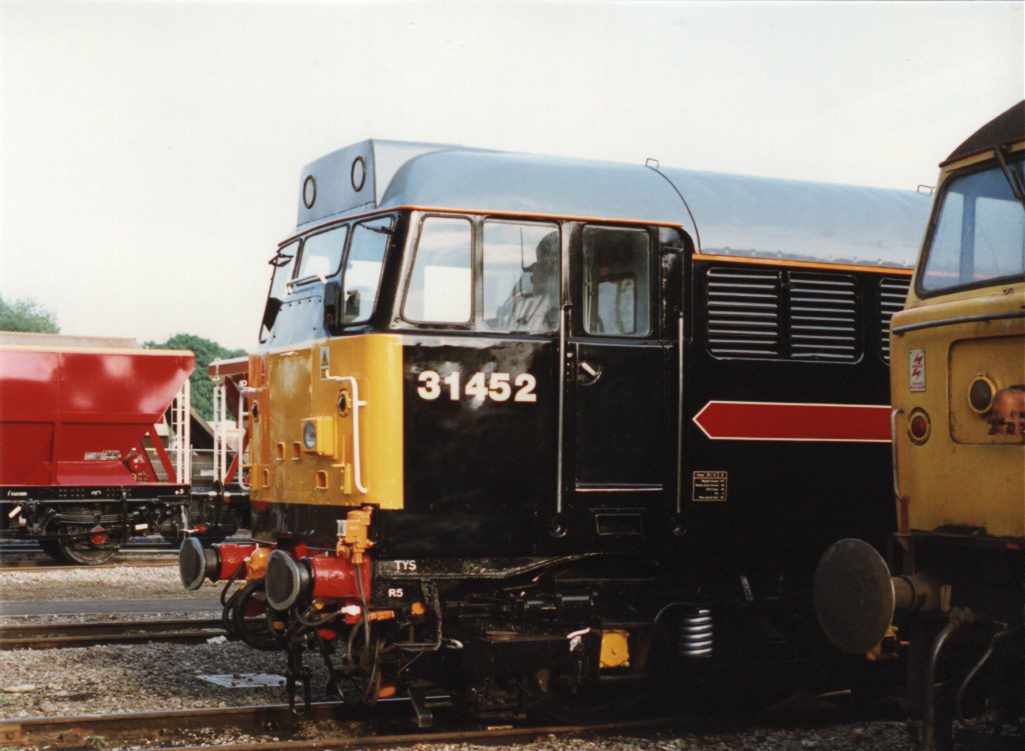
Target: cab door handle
point(587, 374)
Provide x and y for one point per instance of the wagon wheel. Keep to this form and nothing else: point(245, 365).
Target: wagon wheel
point(52, 549)
point(75, 544)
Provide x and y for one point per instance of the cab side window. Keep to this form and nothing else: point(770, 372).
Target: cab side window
point(322, 253)
point(283, 264)
point(363, 268)
point(521, 277)
point(617, 282)
point(440, 287)
point(283, 268)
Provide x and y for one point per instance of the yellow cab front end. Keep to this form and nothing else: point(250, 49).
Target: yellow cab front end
point(314, 441)
point(958, 363)
point(951, 587)
point(957, 385)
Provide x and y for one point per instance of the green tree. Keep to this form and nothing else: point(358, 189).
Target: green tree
point(206, 351)
point(27, 315)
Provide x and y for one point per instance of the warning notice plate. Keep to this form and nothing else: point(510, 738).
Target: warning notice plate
point(916, 370)
point(709, 486)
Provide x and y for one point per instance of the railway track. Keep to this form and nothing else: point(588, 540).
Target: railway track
point(45, 564)
point(276, 719)
point(27, 554)
point(62, 635)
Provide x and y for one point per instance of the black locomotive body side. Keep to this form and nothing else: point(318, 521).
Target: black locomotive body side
point(786, 500)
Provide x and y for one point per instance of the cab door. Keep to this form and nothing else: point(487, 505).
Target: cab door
point(618, 388)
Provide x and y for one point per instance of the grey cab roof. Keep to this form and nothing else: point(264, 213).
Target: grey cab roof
point(724, 213)
point(1006, 128)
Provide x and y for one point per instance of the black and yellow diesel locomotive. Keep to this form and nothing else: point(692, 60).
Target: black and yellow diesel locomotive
point(522, 428)
point(957, 588)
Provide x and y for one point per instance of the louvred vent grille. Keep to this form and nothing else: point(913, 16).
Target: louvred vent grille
point(823, 317)
point(744, 313)
point(892, 293)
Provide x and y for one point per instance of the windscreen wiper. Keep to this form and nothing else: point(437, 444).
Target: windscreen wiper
point(280, 259)
point(1013, 178)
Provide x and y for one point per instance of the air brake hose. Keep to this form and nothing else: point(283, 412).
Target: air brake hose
point(238, 618)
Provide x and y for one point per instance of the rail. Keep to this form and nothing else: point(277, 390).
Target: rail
point(62, 635)
point(272, 719)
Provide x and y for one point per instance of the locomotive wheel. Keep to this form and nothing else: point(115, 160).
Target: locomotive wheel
point(69, 547)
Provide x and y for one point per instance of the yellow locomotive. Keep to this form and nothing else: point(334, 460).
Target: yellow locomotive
point(958, 423)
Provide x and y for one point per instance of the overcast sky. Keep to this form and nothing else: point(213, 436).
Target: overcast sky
point(151, 152)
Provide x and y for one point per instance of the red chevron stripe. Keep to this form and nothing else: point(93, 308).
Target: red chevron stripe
point(786, 421)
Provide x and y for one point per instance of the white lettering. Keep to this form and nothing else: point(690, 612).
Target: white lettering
point(479, 386)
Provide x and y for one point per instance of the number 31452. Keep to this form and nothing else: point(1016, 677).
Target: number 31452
point(498, 387)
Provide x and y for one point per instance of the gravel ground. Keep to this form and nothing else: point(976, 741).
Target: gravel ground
point(139, 677)
point(890, 736)
point(130, 678)
point(122, 678)
point(97, 584)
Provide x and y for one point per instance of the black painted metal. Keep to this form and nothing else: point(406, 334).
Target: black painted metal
point(480, 478)
point(576, 510)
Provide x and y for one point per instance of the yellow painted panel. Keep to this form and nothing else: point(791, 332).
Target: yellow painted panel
point(303, 384)
point(946, 482)
point(1001, 362)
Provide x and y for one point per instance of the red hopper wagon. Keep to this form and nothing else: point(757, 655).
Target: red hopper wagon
point(83, 465)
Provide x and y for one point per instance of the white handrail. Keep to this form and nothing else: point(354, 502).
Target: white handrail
point(187, 419)
point(240, 433)
point(222, 418)
point(894, 413)
point(180, 413)
point(356, 405)
point(219, 408)
point(214, 414)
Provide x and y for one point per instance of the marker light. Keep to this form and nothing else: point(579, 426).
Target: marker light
point(919, 426)
point(310, 435)
point(980, 394)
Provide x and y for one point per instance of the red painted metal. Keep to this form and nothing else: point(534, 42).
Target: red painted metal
point(165, 460)
point(141, 465)
point(233, 368)
point(334, 578)
point(70, 416)
point(775, 421)
point(230, 556)
point(232, 469)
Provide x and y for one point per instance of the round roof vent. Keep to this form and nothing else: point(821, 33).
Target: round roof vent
point(358, 174)
point(309, 191)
